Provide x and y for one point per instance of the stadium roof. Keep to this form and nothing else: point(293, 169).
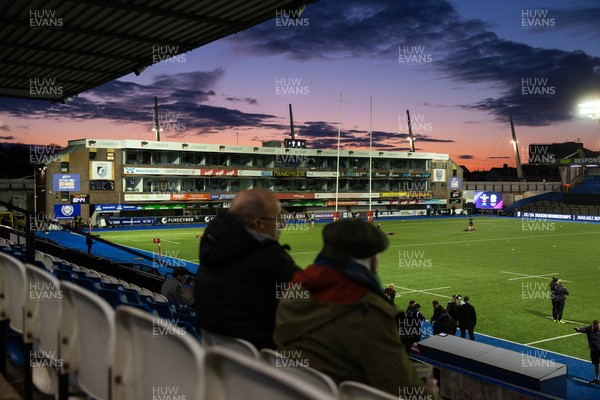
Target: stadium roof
point(53, 50)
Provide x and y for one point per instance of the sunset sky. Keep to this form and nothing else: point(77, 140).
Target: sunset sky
point(460, 67)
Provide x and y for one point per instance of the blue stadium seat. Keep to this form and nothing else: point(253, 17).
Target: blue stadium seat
point(86, 283)
point(112, 286)
point(64, 275)
point(113, 297)
point(163, 310)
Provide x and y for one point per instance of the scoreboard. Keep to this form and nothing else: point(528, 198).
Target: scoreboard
point(294, 143)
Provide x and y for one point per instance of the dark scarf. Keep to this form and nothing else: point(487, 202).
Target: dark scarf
point(354, 271)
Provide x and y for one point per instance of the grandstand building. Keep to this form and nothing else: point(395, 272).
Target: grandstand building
point(141, 182)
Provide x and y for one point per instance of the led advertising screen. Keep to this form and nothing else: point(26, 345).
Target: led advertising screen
point(65, 183)
point(489, 200)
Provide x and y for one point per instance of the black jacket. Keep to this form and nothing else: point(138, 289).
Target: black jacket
point(444, 324)
point(467, 317)
point(238, 281)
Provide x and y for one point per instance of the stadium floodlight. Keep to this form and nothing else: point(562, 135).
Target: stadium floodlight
point(590, 109)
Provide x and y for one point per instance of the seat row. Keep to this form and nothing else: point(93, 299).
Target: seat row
point(77, 342)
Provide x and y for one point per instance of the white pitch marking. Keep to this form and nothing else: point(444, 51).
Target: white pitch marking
point(169, 241)
point(424, 291)
point(554, 338)
point(523, 276)
point(413, 291)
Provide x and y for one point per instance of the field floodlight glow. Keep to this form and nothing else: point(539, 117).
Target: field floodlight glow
point(590, 109)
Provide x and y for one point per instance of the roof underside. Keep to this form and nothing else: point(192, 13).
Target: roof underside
point(55, 49)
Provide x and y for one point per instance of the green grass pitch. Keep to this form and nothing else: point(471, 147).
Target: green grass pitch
point(505, 267)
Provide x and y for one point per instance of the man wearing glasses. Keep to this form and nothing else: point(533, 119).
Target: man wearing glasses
point(243, 269)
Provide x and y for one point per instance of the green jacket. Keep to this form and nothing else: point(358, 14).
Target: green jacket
point(343, 330)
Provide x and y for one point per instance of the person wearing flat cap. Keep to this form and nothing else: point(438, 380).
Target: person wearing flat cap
point(337, 319)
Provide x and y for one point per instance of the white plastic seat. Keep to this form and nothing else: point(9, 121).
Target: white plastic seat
point(155, 358)
point(87, 336)
point(94, 274)
point(122, 282)
point(240, 346)
point(232, 376)
point(159, 298)
point(42, 316)
point(350, 390)
point(147, 292)
point(13, 291)
point(135, 287)
point(301, 371)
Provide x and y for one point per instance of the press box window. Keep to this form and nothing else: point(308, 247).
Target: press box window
point(64, 166)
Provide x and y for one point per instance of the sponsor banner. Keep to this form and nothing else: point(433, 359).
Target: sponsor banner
point(162, 206)
point(132, 221)
point(219, 172)
point(588, 160)
point(417, 175)
point(381, 175)
point(102, 170)
point(292, 196)
point(184, 220)
point(116, 207)
point(439, 175)
point(307, 203)
point(412, 194)
point(348, 203)
point(148, 197)
point(355, 174)
point(553, 216)
point(222, 196)
point(190, 196)
point(161, 171)
point(65, 182)
point(249, 172)
point(67, 211)
point(321, 174)
point(454, 183)
point(283, 173)
point(346, 195)
point(593, 218)
point(80, 199)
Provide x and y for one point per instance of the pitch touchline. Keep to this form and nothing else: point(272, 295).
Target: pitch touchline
point(490, 239)
point(554, 338)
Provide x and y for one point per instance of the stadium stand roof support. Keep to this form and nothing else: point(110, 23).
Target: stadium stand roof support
point(86, 43)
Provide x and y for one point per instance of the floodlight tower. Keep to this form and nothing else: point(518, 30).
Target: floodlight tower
point(515, 143)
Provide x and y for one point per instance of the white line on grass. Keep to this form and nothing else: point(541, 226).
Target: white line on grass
point(169, 241)
point(554, 338)
point(566, 320)
point(521, 344)
point(415, 290)
point(424, 291)
point(492, 239)
point(524, 276)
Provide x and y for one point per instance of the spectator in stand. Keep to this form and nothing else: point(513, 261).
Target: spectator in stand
point(467, 319)
point(560, 295)
point(344, 326)
point(445, 324)
point(593, 337)
point(172, 287)
point(243, 269)
point(188, 289)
